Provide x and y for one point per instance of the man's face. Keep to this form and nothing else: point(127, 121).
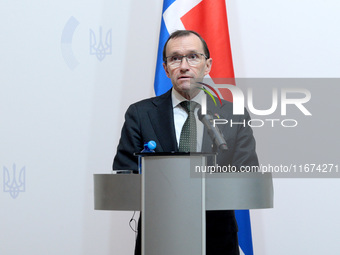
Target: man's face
point(181, 75)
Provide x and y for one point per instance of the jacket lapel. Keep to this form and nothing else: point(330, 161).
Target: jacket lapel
point(162, 120)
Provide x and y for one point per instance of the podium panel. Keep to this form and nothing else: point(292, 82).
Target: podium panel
point(173, 208)
point(229, 191)
point(119, 192)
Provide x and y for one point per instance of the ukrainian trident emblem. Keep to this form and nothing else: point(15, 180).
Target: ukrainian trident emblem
point(14, 182)
point(99, 47)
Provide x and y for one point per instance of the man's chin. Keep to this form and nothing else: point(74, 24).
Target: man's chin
point(189, 86)
point(188, 91)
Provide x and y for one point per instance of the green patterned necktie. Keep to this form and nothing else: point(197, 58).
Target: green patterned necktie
point(188, 139)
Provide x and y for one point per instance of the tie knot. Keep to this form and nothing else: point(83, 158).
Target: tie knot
point(189, 106)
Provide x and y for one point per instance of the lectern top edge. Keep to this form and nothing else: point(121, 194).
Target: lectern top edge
point(173, 153)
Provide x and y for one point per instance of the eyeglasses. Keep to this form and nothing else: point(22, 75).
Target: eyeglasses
point(193, 59)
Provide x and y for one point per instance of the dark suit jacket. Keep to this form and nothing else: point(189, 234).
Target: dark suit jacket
point(152, 119)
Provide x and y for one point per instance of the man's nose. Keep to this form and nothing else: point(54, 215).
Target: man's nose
point(184, 64)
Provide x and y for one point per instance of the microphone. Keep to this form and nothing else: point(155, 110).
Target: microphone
point(213, 131)
point(149, 146)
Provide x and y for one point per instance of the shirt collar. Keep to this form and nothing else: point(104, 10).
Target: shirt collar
point(177, 98)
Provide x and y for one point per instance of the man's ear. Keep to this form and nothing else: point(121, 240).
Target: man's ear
point(208, 66)
point(166, 69)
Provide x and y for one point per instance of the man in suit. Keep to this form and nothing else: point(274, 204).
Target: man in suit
point(187, 58)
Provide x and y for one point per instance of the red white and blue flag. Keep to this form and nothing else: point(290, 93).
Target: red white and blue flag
point(209, 19)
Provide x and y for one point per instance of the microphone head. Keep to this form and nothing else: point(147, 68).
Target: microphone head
point(151, 145)
point(223, 147)
point(201, 116)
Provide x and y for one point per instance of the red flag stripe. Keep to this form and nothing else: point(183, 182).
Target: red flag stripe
point(209, 19)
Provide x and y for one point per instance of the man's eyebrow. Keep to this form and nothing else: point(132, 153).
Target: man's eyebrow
point(177, 53)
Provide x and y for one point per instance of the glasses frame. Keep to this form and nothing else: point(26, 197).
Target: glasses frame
point(184, 56)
